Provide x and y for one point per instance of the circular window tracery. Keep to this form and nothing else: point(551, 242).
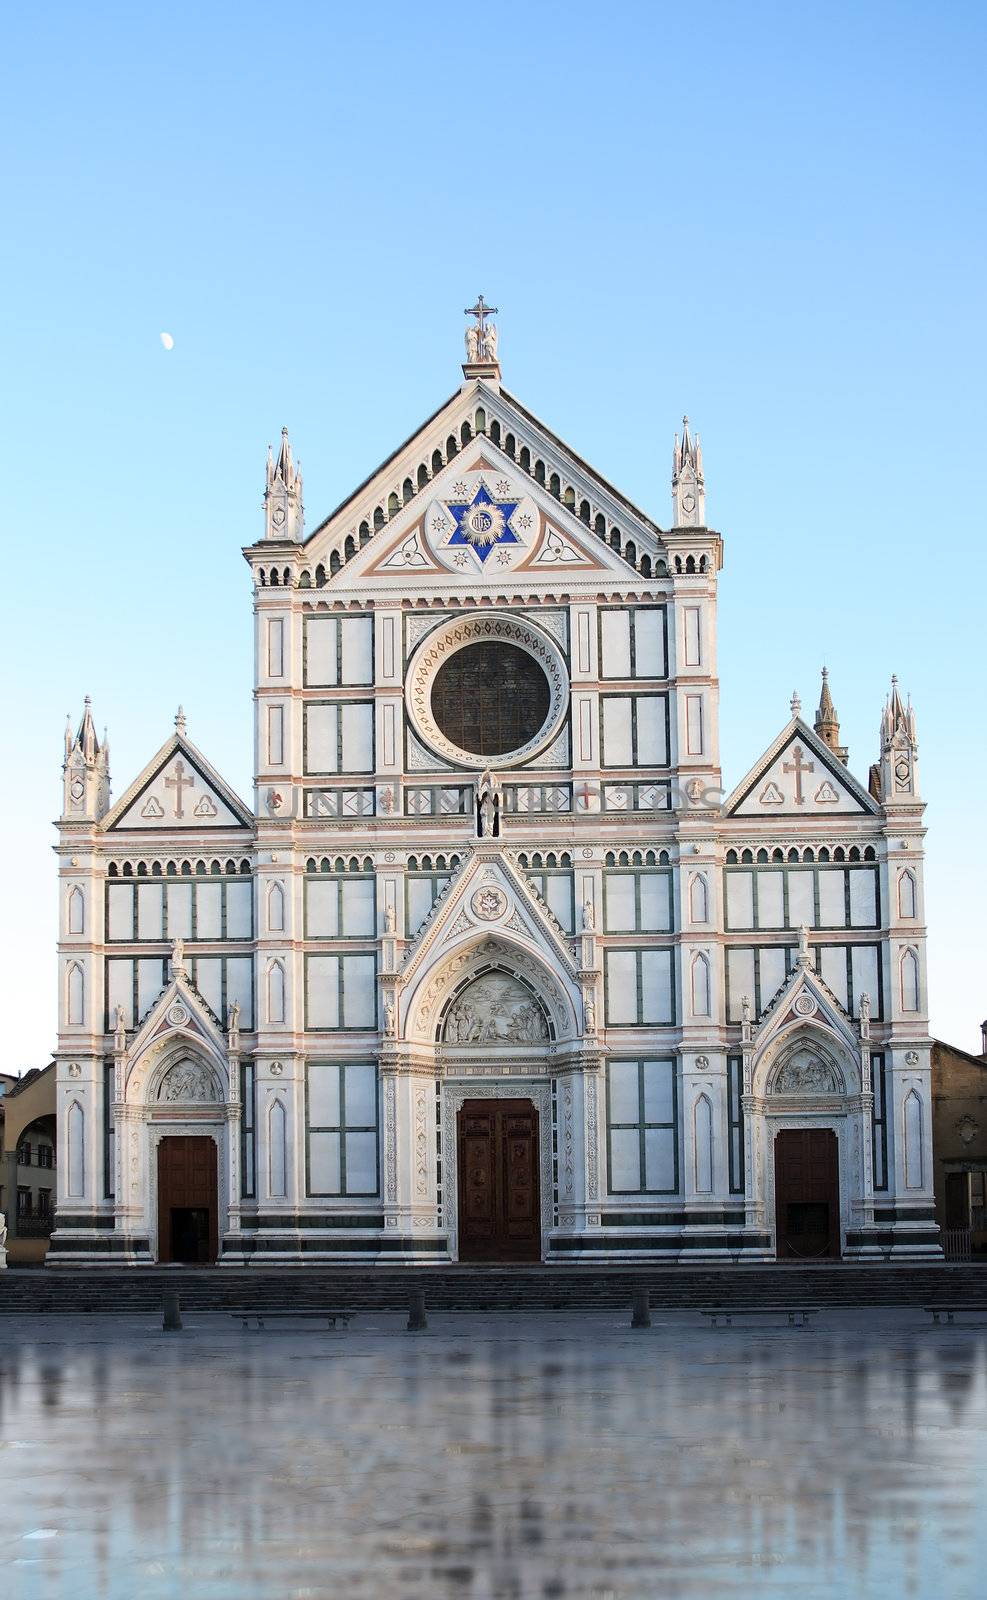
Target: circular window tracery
point(487, 691)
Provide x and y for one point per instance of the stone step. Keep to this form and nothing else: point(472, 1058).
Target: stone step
point(464, 1288)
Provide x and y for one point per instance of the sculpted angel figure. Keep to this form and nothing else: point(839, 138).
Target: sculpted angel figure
point(488, 345)
point(472, 344)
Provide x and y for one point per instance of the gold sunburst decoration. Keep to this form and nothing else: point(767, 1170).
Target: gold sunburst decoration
point(483, 523)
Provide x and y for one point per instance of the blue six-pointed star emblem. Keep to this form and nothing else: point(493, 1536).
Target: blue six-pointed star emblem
point(483, 522)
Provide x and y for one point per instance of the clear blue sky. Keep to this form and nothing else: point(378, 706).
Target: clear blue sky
point(768, 215)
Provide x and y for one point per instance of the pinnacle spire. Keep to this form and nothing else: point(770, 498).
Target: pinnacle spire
point(283, 508)
point(827, 723)
point(688, 485)
point(180, 720)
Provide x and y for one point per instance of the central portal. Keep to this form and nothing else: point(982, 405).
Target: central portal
point(499, 1214)
point(187, 1200)
point(807, 1194)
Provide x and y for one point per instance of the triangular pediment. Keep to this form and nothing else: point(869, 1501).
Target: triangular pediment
point(803, 999)
point(488, 896)
point(178, 790)
point(178, 1011)
point(416, 514)
point(797, 777)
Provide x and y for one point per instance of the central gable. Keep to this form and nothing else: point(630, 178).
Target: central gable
point(485, 482)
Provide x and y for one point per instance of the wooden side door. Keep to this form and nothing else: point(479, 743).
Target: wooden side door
point(499, 1211)
point(188, 1210)
point(807, 1194)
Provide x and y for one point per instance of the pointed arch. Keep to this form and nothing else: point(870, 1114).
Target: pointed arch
point(702, 1138)
point(76, 910)
point(75, 1128)
point(277, 1150)
point(275, 908)
point(909, 980)
point(913, 1118)
point(698, 898)
point(275, 991)
point(75, 996)
point(700, 986)
point(907, 893)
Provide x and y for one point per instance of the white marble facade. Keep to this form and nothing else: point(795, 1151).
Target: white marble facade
point(489, 856)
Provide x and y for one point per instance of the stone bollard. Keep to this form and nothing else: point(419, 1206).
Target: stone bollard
point(641, 1314)
point(171, 1321)
point(417, 1320)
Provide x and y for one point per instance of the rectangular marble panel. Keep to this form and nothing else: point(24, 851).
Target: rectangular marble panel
point(832, 898)
point(120, 913)
point(322, 991)
point(321, 733)
point(150, 911)
point(740, 899)
point(356, 650)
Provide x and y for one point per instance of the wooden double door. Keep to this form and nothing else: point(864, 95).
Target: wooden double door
point(188, 1209)
point(499, 1210)
point(807, 1194)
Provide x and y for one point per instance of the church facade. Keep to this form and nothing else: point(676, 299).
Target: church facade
point(491, 967)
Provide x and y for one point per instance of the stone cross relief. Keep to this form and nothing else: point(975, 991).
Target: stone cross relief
point(798, 765)
point(179, 782)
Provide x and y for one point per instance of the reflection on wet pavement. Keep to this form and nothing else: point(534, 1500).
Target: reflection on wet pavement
point(530, 1458)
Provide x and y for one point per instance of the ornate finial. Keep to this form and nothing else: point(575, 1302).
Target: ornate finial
point(89, 698)
point(796, 704)
point(180, 719)
point(481, 340)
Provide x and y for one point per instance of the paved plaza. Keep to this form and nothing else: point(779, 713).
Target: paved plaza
point(545, 1457)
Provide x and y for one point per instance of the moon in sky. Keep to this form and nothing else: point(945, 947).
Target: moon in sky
point(167, 341)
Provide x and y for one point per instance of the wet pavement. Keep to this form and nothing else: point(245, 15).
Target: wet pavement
point(541, 1457)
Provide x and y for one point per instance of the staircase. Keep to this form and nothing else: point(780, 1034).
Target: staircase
point(137, 1290)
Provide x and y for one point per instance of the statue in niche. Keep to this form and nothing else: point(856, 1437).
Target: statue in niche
point(186, 1081)
point(489, 798)
point(589, 916)
point(390, 919)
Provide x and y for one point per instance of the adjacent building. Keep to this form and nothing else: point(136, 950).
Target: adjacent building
point(490, 966)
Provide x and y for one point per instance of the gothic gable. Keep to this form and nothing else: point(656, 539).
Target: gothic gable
point(178, 789)
point(797, 777)
point(487, 895)
point(483, 489)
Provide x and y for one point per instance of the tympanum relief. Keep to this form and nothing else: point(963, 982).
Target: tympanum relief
point(495, 1006)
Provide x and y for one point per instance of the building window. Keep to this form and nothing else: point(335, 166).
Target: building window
point(44, 1204)
point(46, 1155)
point(341, 1126)
point(642, 1123)
point(23, 1202)
point(24, 1154)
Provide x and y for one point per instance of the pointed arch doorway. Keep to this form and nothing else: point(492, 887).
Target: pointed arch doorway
point(499, 1198)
